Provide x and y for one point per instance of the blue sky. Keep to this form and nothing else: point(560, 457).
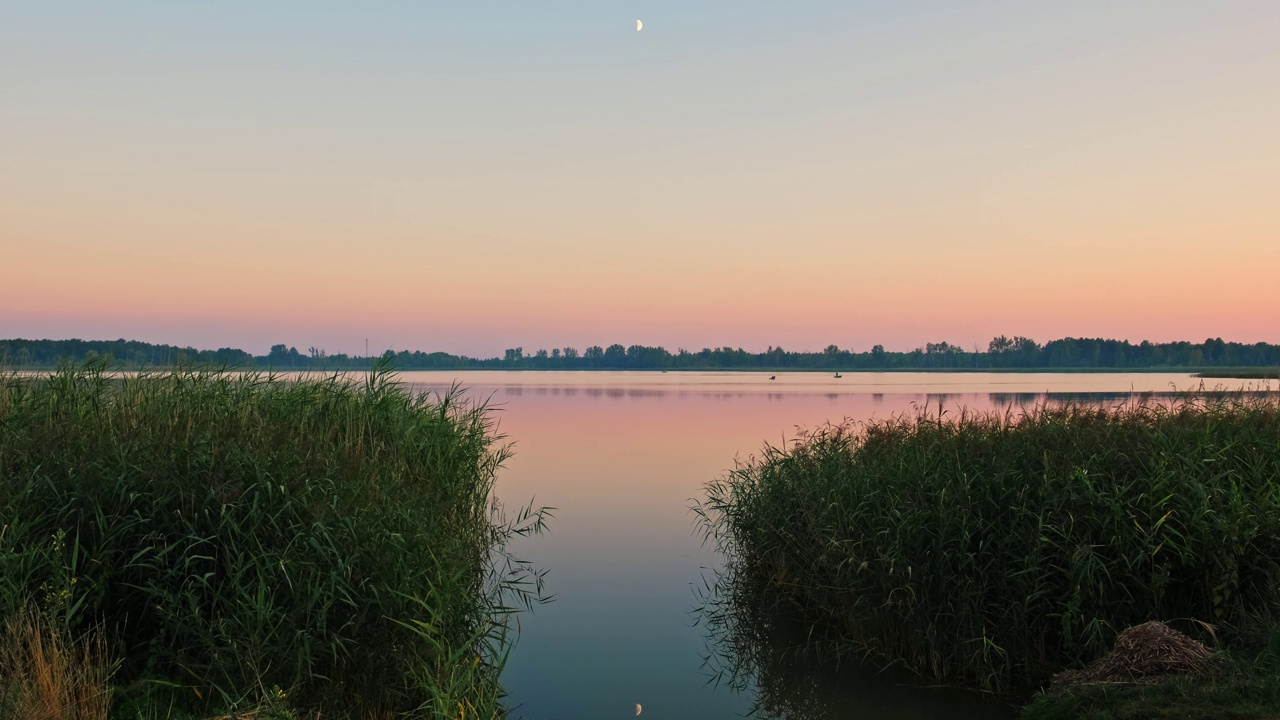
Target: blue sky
point(470, 176)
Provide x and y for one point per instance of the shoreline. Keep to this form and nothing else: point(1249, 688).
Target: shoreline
point(1242, 373)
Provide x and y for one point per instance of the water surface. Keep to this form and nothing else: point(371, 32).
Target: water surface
point(622, 456)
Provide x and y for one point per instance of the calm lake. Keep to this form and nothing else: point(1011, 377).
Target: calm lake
point(623, 455)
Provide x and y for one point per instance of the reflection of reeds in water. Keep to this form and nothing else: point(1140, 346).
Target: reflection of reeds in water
point(998, 548)
point(751, 646)
point(1032, 399)
point(793, 673)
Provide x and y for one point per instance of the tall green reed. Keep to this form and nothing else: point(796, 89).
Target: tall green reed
point(239, 535)
point(994, 549)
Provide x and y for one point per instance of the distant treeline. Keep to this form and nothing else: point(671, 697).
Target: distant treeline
point(1002, 352)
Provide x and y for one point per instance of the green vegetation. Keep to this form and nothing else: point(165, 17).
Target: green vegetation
point(23, 354)
point(1243, 374)
point(997, 549)
point(245, 543)
point(1247, 688)
point(1002, 353)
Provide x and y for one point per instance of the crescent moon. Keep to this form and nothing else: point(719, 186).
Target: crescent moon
point(637, 704)
point(639, 26)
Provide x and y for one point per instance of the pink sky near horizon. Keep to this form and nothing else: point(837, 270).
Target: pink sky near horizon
point(850, 175)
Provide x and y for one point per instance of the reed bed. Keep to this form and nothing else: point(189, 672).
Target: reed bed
point(996, 549)
point(242, 541)
point(1242, 374)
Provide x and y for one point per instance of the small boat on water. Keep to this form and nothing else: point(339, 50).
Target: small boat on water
point(773, 377)
point(838, 375)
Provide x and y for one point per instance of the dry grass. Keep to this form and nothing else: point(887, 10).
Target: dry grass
point(44, 675)
point(1144, 654)
point(1240, 681)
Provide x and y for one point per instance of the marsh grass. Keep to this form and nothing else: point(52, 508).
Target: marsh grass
point(995, 549)
point(242, 538)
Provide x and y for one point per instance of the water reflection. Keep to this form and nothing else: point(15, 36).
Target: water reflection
point(1021, 399)
point(934, 400)
point(1032, 399)
point(621, 456)
point(940, 387)
point(794, 674)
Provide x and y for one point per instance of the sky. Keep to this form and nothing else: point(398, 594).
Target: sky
point(473, 176)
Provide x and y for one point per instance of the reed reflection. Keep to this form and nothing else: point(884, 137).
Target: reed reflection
point(1023, 400)
point(938, 400)
point(795, 673)
point(1015, 399)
